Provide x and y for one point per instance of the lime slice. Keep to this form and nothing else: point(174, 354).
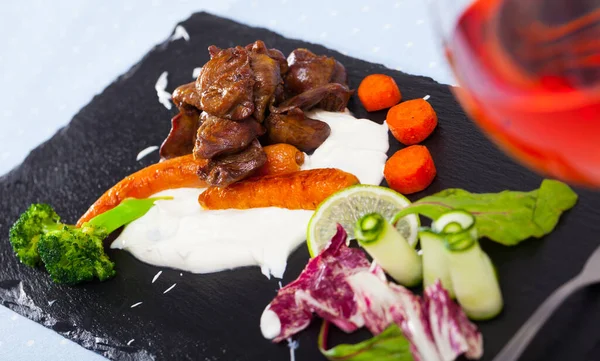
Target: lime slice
point(348, 205)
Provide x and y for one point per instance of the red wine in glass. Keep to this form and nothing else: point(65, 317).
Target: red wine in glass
point(529, 74)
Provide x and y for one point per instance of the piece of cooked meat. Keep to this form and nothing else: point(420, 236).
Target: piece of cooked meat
point(186, 94)
point(219, 136)
point(308, 71)
point(339, 74)
point(297, 129)
point(297, 190)
point(224, 170)
point(267, 78)
point(213, 51)
point(336, 98)
point(226, 84)
point(275, 54)
point(182, 136)
point(331, 97)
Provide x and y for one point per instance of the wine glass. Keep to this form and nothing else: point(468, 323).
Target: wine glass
point(529, 76)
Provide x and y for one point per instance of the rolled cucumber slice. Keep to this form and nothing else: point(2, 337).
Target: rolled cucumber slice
point(462, 218)
point(471, 272)
point(475, 283)
point(455, 222)
point(389, 249)
point(435, 260)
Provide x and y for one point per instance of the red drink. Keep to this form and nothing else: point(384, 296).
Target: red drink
point(529, 72)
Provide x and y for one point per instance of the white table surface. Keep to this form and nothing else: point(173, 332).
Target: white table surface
point(56, 55)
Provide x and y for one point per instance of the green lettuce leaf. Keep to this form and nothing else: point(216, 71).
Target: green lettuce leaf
point(508, 217)
point(390, 345)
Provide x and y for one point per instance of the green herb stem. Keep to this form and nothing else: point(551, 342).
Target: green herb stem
point(127, 211)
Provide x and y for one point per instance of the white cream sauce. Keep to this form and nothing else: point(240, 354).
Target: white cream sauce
point(179, 234)
point(357, 146)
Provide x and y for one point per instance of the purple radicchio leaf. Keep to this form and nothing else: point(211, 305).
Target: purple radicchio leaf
point(340, 286)
point(383, 303)
point(373, 298)
point(321, 288)
point(410, 316)
point(437, 328)
point(452, 331)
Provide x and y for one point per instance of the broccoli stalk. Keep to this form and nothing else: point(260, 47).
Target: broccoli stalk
point(72, 255)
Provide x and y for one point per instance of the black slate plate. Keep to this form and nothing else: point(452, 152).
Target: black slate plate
point(216, 316)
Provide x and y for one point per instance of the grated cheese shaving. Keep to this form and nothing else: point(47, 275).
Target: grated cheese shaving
point(196, 72)
point(170, 288)
point(145, 152)
point(180, 33)
point(156, 276)
point(164, 97)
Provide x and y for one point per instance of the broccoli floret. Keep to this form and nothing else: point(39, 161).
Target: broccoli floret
point(27, 230)
point(75, 255)
point(71, 254)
